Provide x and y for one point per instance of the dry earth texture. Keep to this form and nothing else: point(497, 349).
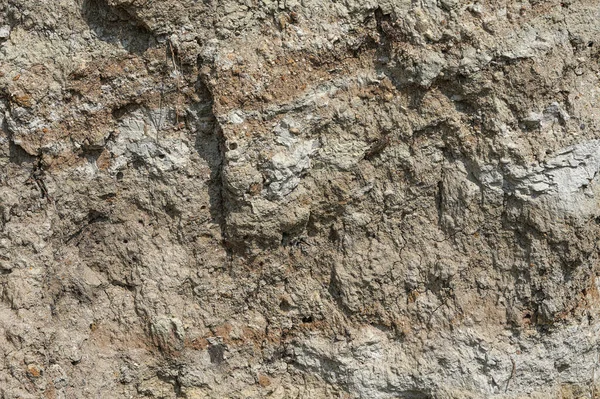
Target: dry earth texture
point(299, 199)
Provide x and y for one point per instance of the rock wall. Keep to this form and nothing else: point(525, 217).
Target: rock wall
point(299, 199)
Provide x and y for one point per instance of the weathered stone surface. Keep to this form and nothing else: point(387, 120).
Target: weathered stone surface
point(299, 199)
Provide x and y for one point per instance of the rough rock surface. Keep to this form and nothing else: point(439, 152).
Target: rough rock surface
point(299, 199)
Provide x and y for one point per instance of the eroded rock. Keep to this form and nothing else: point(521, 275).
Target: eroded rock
point(299, 199)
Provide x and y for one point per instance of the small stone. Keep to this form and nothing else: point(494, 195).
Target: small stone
point(4, 32)
point(5, 267)
point(540, 187)
point(267, 97)
point(34, 370)
point(283, 20)
point(235, 118)
point(264, 381)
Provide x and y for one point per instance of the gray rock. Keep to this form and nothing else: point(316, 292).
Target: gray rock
point(351, 199)
point(4, 32)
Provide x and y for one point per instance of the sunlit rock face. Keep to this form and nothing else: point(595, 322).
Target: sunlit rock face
point(299, 199)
